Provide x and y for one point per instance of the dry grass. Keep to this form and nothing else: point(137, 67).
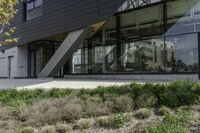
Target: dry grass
point(5, 113)
point(50, 111)
point(85, 123)
point(124, 104)
point(63, 128)
point(143, 113)
point(163, 110)
point(105, 121)
point(27, 130)
point(146, 100)
point(48, 129)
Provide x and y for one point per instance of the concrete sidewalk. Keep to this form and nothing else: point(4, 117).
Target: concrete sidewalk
point(56, 83)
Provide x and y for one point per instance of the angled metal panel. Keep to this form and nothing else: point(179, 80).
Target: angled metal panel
point(63, 53)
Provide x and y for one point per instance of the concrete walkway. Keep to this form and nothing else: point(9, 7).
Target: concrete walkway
point(56, 83)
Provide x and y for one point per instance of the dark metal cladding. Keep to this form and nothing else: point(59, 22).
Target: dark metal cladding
point(61, 16)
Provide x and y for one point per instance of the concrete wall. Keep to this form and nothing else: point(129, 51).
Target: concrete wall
point(22, 62)
point(138, 77)
point(18, 62)
point(4, 62)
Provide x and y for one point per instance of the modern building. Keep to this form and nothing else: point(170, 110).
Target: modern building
point(105, 39)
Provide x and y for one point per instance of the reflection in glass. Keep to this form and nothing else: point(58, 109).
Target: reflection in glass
point(144, 56)
point(149, 40)
point(184, 57)
point(183, 17)
point(130, 4)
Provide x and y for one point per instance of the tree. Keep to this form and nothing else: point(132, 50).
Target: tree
point(7, 13)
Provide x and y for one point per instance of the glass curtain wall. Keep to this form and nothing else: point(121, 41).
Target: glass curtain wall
point(151, 37)
point(97, 54)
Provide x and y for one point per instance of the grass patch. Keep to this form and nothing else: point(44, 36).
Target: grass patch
point(38, 108)
point(18, 98)
point(173, 123)
point(27, 130)
point(143, 113)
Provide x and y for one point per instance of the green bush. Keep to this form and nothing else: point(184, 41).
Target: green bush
point(163, 110)
point(146, 100)
point(166, 129)
point(26, 130)
point(179, 93)
point(119, 120)
point(172, 123)
point(17, 98)
point(114, 121)
point(147, 95)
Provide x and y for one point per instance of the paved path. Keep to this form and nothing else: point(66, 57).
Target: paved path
point(55, 83)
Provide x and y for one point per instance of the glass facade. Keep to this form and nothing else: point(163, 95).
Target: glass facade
point(39, 54)
point(145, 36)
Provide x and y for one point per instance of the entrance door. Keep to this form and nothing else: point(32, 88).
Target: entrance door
point(11, 67)
point(32, 64)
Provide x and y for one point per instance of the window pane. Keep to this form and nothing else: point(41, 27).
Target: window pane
point(38, 3)
point(184, 57)
point(29, 5)
point(182, 17)
point(143, 56)
point(34, 13)
point(129, 4)
point(141, 24)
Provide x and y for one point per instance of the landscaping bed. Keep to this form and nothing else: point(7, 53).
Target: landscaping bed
point(131, 108)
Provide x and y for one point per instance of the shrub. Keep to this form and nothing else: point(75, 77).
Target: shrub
point(91, 105)
point(51, 110)
point(170, 99)
point(124, 104)
point(15, 98)
point(163, 110)
point(48, 129)
point(119, 120)
point(172, 123)
point(143, 113)
point(156, 128)
point(109, 96)
point(26, 130)
point(106, 108)
point(181, 118)
point(93, 109)
point(63, 128)
point(146, 100)
point(106, 121)
point(85, 123)
point(114, 121)
point(184, 108)
point(127, 116)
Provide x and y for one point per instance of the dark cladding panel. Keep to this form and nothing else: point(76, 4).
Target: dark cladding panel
point(54, 17)
point(81, 13)
point(61, 16)
point(108, 8)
